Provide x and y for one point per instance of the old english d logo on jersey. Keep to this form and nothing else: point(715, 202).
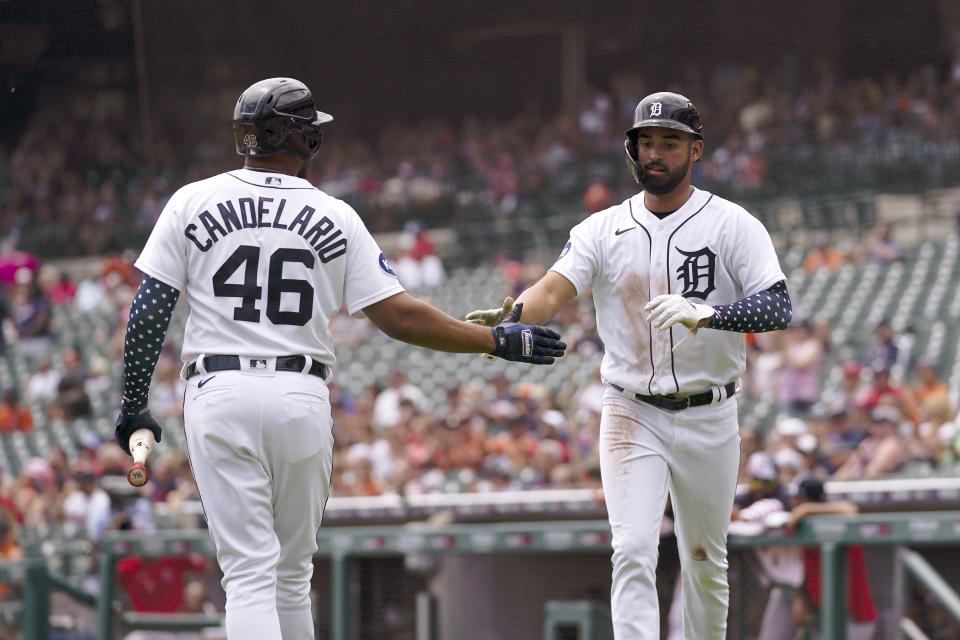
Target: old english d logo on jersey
point(696, 272)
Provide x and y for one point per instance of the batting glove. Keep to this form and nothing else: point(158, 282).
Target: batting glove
point(491, 317)
point(129, 421)
point(526, 342)
point(667, 310)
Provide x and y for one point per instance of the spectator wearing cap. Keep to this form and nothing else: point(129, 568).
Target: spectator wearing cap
point(862, 612)
point(14, 416)
point(880, 453)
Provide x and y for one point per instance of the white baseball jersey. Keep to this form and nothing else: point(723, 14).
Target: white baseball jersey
point(710, 250)
point(265, 260)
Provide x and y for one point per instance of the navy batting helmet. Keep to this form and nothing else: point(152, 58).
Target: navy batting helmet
point(662, 109)
point(277, 116)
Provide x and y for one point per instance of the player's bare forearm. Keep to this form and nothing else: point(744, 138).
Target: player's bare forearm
point(544, 299)
point(409, 319)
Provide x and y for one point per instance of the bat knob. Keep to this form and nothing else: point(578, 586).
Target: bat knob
point(138, 474)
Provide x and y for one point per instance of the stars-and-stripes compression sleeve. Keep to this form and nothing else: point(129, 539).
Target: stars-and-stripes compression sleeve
point(768, 310)
point(149, 318)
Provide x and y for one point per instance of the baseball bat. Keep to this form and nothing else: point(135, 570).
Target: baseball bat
point(141, 444)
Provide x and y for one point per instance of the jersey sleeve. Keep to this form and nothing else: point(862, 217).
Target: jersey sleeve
point(579, 262)
point(755, 264)
point(369, 278)
point(165, 255)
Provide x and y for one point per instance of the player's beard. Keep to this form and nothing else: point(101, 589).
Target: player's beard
point(660, 185)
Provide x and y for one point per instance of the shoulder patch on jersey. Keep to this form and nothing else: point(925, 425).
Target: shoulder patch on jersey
point(566, 249)
point(385, 265)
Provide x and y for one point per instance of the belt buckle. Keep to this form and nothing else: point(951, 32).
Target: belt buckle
point(675, 397)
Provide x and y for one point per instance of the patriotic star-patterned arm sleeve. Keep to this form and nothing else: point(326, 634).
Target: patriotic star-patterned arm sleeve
point(768, 310)
point(149, 319)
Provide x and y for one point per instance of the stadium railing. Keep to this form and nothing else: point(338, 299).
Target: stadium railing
point(345, 546)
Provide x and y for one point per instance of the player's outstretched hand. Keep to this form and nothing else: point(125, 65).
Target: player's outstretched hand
point(130, 421)
point(491, 317)
point(526, 342)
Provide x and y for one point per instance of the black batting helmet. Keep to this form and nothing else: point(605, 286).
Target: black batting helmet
point(662, 109)
point(277, 116)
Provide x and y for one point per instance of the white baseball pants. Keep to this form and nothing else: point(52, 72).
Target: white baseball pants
point(693, 454)
point(261, 448)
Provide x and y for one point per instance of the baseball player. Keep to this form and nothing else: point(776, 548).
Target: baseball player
point(265, 259)
point(678, 276)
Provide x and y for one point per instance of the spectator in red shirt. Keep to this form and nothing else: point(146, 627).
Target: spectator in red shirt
point(156, 585)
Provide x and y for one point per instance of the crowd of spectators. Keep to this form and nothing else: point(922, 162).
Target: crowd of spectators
point(74, 183)
point(486, 434)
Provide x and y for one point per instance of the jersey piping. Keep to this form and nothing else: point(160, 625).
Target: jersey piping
point(653, 367)
point(267, 186)
point(673, 369)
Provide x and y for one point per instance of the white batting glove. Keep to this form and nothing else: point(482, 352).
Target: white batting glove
point(491, 317)
point(667, 310)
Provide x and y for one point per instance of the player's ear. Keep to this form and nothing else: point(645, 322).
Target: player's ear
point(696, 150)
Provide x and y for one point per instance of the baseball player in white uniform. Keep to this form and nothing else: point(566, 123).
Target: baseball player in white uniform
point(678, 276)
point(265, 260)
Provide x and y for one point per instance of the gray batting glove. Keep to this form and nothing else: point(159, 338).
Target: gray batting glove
point(491, 317)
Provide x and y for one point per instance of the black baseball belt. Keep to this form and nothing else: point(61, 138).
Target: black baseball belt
point(676, 401)
point(283, 363)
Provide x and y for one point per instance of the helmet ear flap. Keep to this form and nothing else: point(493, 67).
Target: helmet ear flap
point(275, 135)
point(633, 161)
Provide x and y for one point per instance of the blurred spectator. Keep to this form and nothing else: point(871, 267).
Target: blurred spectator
point(32, 316)
point(60, 288)
point(43, 383)
point(87, 505)
point(597, 197)
point(884, 352)
point(823, 255)
point(764, 505)
point(9, 550)
point(883, 391)
point(800, 372)
point(166, 392)
point(880, 453)
point(387, 408)
point(928, 388)
point(157, 584)
point(861, 610)
point(14, 416)
point(71, 391)
point(879, 246)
